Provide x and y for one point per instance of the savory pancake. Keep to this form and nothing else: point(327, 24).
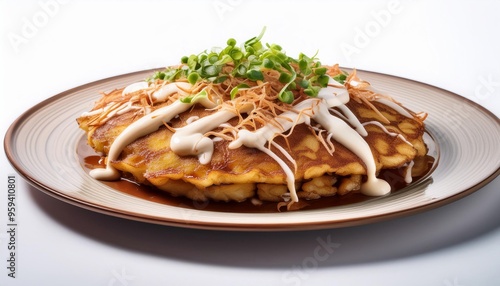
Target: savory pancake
point(253, 136)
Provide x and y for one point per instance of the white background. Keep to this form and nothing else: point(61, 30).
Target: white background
point(48, 46)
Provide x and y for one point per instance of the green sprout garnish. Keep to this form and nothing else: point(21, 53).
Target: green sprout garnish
point(249, 62)
point(194, 98)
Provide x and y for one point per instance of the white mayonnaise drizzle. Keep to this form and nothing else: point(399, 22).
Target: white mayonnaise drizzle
point(192, 119)
point(122, 108)
point(345, 135)
point(353, 120)
point(408, 177)
point(135, 87)
point(145, 125)
point(167, 90)
point(385, 101)
point(394, 106)
point(190, 139)
point(393, 134)
point(97, 111)
point(259, 138)
point(317, 109)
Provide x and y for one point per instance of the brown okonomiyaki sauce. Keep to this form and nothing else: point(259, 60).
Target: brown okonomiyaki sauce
point(90, 160)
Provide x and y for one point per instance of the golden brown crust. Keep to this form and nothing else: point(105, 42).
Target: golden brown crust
point(241, 173)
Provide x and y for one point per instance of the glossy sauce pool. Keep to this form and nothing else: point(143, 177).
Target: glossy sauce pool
point(89, 160)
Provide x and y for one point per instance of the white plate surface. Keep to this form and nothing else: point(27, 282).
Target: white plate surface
point(41, 144)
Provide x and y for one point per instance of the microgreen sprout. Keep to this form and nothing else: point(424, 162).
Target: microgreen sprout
point(249, 61)
point(195, 98)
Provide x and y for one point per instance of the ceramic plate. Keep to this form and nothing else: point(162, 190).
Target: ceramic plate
point(43, 143)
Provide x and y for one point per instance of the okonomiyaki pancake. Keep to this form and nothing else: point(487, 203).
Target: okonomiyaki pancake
point(240, 138)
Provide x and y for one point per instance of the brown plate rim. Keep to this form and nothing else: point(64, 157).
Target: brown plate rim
point(17, 123)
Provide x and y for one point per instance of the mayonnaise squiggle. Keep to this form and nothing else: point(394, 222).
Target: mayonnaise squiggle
point(119, 108)
point(353, 120)
point(167, 90)
point(192, 119)
point(190, 139)
point(397, 107)
point(318, 109)
point(394, 106)
point(340, 98)
point(393, 134)
point(143, 126)
point(135, 87)
point(345, 135)
point(408, 177)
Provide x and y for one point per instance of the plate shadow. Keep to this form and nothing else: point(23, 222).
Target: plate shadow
point(452, 224)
